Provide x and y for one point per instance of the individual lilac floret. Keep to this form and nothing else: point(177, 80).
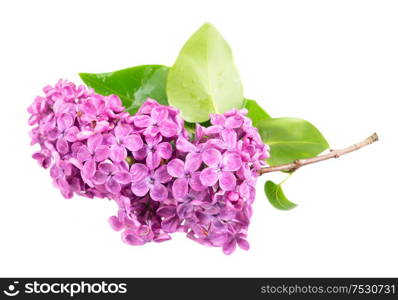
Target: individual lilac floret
point(123, 140)
point(89, 155)
point(154, 151)
point(152, 182)
point(186, 175)
point(111, 176)
point(155, 119)
point(220, 168)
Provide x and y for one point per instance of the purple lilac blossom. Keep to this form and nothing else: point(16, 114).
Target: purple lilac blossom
point(162, 179)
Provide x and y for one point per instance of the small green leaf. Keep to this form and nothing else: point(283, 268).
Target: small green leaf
point(204, 78)
point(291, 139)
point(276, 196)
point(255, 112)
point(191, 127)
point(133, 85)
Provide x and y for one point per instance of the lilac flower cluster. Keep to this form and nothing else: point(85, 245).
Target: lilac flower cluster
point(205, 188)
point(162, 179)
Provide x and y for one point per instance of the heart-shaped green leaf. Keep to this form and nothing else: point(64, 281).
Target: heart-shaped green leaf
point(276, 196)
point(204, 78)
point(133, 85)
point(255, 112)
point(291, 139)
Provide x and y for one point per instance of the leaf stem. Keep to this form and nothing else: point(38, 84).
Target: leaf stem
point(332, 154)
point(286, 178)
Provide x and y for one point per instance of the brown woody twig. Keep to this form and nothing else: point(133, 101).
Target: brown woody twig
point(332, 154)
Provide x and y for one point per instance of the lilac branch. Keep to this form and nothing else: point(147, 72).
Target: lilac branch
point(332, 154)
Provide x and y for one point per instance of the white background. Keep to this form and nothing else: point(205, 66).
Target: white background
point(334, 63)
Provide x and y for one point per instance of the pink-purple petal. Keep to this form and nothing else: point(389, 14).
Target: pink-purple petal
point(208, 177)
point(62, 146)
point(217, 119)
point(227, 181)
point(122, 177)
point(151, 131)
point(229, 247)
point(234, 122)
point(122, 131)
point(166, 211)
point(141, 154)
point(112, 186)
point(184, 145)
point(142, 121)
point(89, 168)
point(193, 161)
point(93, 142)
point(71, 134)
point(132, 239)
point(243, 244)
point(64, 121)
point(212, 157)
point(195, 182)
point(89, 108)
point(83, 154)
point(99, 177)
point(133, 142)
point(170, 224)
point(211, 130)
point(162, 175)
point(159, 113)
point(164, 150)
point(107, 168)
point(219, 239)
point(153, 160)
point(230, 138)
point(115, 223)
point(118, 153)
point(176, 167)
point(231, 161)
point(180, 188)
point(158, 192)
point(140, 188)
point(168, 129)
point(138, 172)
point(101, 153)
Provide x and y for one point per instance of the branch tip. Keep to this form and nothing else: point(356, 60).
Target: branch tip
point(374, 137)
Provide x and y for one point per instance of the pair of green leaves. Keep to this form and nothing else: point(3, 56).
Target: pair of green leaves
point(289, 139)
point(205, 80)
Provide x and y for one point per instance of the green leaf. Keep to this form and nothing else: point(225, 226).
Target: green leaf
point(255, 112)
point(291, 139)
point(276, 196)
point(133, 85)
point(191, 127)
point(204, 78)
